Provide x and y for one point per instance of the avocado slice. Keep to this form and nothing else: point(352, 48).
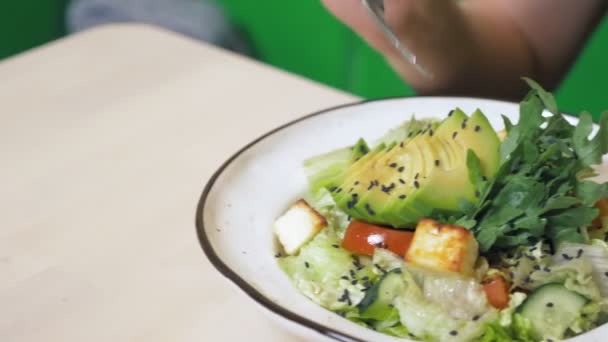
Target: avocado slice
point(354, 183)
point(449, 183)
point(422, 175)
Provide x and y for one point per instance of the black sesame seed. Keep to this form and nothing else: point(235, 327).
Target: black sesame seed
point(333, 188)
point(369, 209)
point(431, 132)
point(454, 135)
point(397, 271)
point(364, 278)
point(409, 135)
point(549, 305)
point(579, 253)
point(477, 128)
point(393, 165)
point(450, 113)
point(306, 264)
point(339, 190)
point(537, 267)
point(380, 268)
point(606, 274)
point(402, 196)
point(453, 332)
point(437, 162)
point(547, 269)
point(401, 144)
point(484, 178)
point(356, 183)
point(371, 185)
point(464, 124)
point(401, 181)
point(410, 334)
point(401, 168)
point(566, 256)
point(335, 246)
point(344, 277)
point(416, 176)
point(476, 317)
point(278, 255)
point(354, 282)
point(350, 190)
point(416, 184)
point(352, 273)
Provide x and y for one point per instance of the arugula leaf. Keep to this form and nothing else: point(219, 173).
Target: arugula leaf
point(540, 190)
point(530, 118)
point(547, 98)
point(590, 192)
point(476, 176)
point(589, 151)
point(507, 123)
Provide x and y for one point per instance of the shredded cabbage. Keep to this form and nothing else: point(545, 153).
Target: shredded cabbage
point(596, 255)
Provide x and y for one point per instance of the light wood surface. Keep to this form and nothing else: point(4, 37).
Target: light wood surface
point(106, 140)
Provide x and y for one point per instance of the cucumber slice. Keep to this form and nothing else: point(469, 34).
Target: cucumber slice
point(551, 308)
point(377, 303)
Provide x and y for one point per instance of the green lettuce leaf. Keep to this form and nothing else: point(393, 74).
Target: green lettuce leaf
point(324, 273)
point(324, 203)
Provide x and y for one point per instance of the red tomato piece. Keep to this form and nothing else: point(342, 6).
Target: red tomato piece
point(602, 205)
point(497, 291)
point(364, 238)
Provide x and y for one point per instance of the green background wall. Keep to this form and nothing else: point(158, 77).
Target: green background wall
point(300, 36)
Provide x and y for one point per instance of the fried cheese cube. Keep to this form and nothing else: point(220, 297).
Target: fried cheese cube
point(443, 247)
point(298, 225)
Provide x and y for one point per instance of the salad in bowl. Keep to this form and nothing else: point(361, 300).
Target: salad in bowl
point(447, 230)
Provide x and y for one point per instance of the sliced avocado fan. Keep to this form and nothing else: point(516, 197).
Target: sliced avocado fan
point(423, 175)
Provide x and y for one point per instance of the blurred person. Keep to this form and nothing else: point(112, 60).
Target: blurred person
point(200, 19)
point(479, 47)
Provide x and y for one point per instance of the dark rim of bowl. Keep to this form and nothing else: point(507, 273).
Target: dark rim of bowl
point(235, 278)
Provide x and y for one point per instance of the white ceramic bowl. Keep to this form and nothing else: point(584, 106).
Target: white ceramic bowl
point(255, 186)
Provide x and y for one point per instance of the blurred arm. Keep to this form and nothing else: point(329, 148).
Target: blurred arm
point(480, 47)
